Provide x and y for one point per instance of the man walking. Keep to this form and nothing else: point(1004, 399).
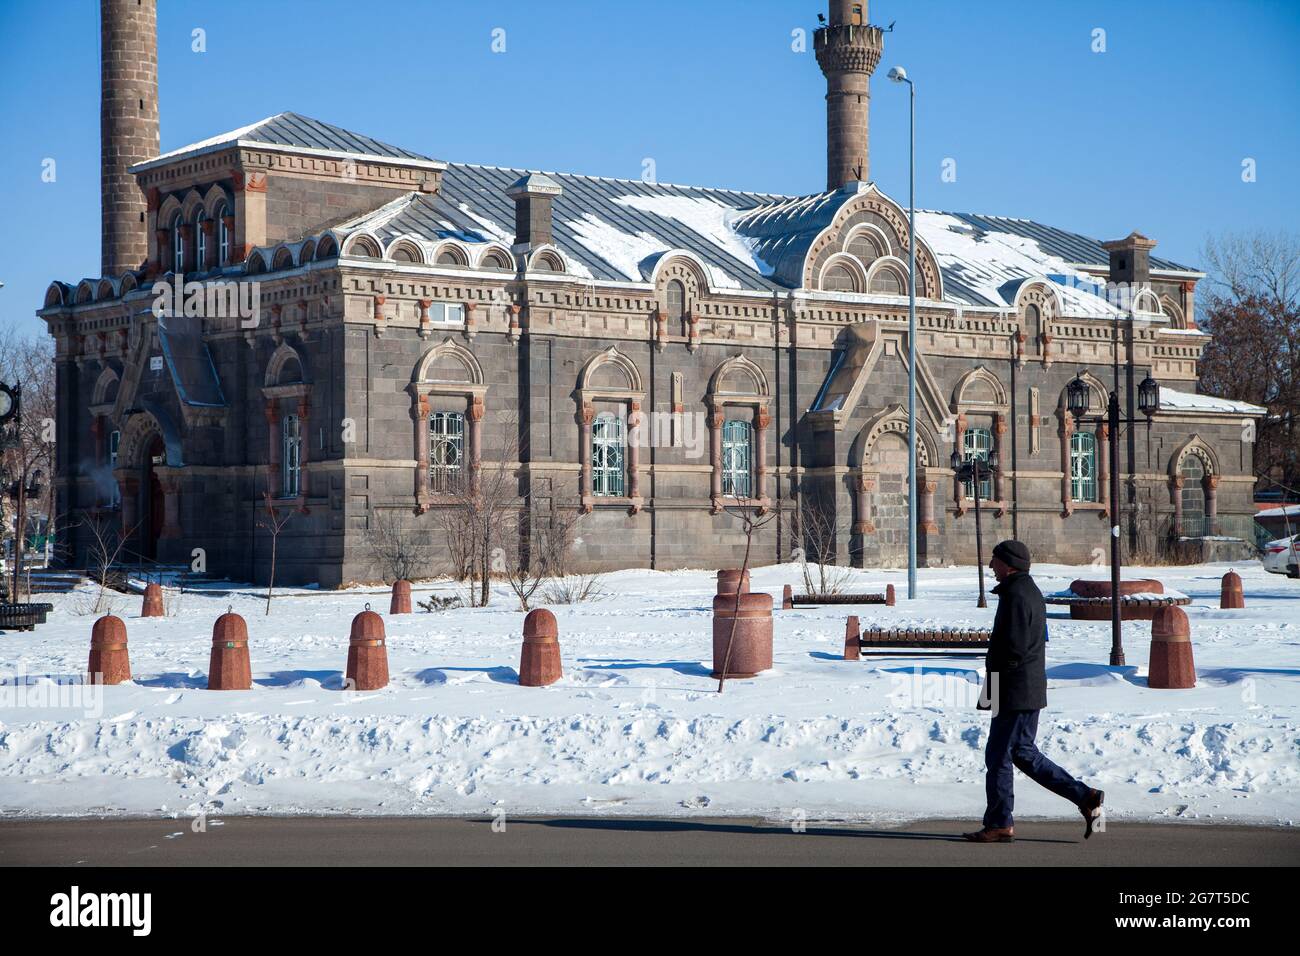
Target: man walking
point(1015, 673)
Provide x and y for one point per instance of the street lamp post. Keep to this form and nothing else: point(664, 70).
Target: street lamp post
point(1077, 397)
point(899, 75)
point(975, 470)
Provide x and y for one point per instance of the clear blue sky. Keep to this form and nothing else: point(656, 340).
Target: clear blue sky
point(1149, 135)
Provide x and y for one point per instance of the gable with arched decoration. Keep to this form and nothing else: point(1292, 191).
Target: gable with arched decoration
point(610, 371)
point(738, 376)
point(979, 389)
point(448, 362)
point(1196, 446)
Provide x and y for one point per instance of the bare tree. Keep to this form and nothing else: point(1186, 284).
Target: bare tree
point(547, 541)
point(273, 522)
point(821, 575)
point(752, 520)
point(28, 361)
point(108, 539)
point(1252, 310)
point(401, 550)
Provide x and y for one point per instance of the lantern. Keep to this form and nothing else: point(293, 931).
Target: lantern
point(1076, 396)
point(1148, 396)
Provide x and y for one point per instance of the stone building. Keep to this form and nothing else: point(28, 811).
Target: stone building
point(376, 326)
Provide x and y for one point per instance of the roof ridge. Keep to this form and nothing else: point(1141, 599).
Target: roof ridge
point(620, 179)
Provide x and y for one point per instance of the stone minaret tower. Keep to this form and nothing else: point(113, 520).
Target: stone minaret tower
point(128, 127)
point(848, 50)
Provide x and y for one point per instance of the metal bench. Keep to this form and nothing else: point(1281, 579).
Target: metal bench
point(23, 617)
point(1131, 607)
point(790, 600)
point(875, 640)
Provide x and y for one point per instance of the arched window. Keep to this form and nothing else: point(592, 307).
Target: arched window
point(446, 451)
point(494, 260)
point(291, 456)
point(449, 258)
point(608, 450)
point(888, 282)
point(675, 299)
point(737, 457)
point(178, 245)
point(863, 248)
point(1193, 472)
point(405, 253)
point(200, 242)
point(223, 237)
point(1083, 466)
point(546, 263)
point(977, 443)
point(838, 279)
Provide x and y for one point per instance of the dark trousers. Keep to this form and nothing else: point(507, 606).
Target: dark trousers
point(1011, 743)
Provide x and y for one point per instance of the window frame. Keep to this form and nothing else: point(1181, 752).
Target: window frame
point(737, 477)
point(608, 480)
point(967, 454)
point(200, 241)
point(1083, 488)
point(290, 456)
point(223, 236)
point(444, 437)
point(178, 244)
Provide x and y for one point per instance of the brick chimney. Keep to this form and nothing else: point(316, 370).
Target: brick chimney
point(848, 51)
point(128, 127)
point(533, 195)
point(1130, 259)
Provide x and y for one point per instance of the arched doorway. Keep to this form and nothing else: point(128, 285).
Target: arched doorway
point(155, 508)
point(888, 459)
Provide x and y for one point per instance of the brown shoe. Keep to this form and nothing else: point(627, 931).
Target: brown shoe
point(992, 835)
point(1091, 810)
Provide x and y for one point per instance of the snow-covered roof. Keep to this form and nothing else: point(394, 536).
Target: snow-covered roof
point(619, 229)
point(1172, 400)
point(298, 133)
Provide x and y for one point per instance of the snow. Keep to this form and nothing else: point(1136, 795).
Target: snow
point(229, 136)
point(1278, 512)
point(1172, 400)
point(987, 260)
point(623, 250)
point(636, 726)
point(711, 220)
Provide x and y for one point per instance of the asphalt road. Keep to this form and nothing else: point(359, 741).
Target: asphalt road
point(587, 841)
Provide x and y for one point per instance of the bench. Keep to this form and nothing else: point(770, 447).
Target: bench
point(790, 600)
point(23, 617)
point(874, 640)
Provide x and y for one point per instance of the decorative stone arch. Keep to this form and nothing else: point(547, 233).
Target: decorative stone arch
point(128, 283)
point(327, 247)
point(1195, 447)
point(106, 387)
point(892, 264)
point(1146, 302)
point(865, 474)
point(492, 253)
point(406, 249)
point(363, 245)
point(139, 432)
point(454, 250)
point(282, 258)
point(107, 289)
point(1038, 304)
point(85, 293)
point(873, 234)
point(103, 413)
point(981, 394)
point(216, 199)
point(1177, 320)
point(548, 258)
point(256, 263)
point(191, 204)
point(738, 383)
point(307, 252)
point(280, 367)
point(167, 212)
point(842, 260)
point(872, 202)
point(447, 377)
point(56, 294)
point(1098, 397)
point(610, 377)
point(683, 267)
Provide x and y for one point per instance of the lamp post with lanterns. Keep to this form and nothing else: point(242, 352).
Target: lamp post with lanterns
point(1077, 397)
point(975, 470)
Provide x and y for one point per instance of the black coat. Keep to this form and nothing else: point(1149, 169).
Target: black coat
point(1017, 646)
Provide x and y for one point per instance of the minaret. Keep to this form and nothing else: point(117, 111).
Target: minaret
point(848, 50)
point(128, 127)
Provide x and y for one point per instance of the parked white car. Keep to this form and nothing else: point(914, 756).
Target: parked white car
point(1283, 555)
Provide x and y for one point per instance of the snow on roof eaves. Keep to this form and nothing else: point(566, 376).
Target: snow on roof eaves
point(1172, 400)
point(291, 133)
